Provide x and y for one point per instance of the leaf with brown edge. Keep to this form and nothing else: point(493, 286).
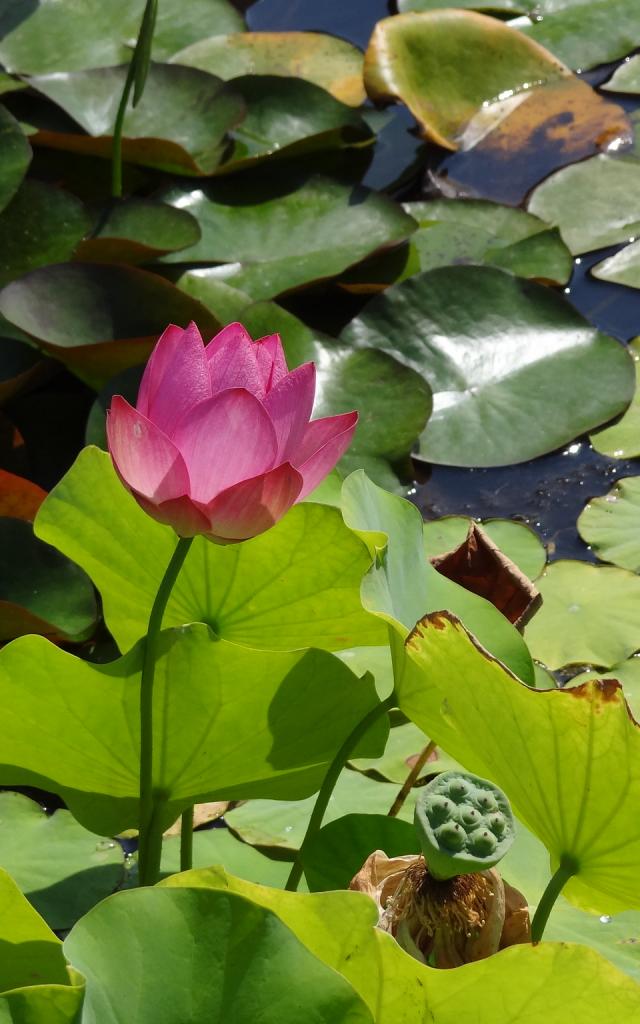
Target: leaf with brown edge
point(569, 760)
point(479, 565)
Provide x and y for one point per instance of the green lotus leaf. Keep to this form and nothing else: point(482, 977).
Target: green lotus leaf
point(273, 243)
point(621, 440)
point(325, 60)
point(589, 615)
point(63, 36)
point(610, 524)
point(541, 981)
point(61, 868)
point(585, 33)
point(511, 364)
point(240, 723)
point(337, 852)
point(288, 117)
point(136, 230)
point(219, 846)
point(516, 540)
point(625, 78)
point(523, 740)
point(399, 593)
point(404, 745)
point(282, 824)
point(41, 225)
point(202, 955)
point(96, 318)
point(627, 674)
point(608, 185)
point(16, 156)
point(36, 987)
point(179, 125)
point(295, 586)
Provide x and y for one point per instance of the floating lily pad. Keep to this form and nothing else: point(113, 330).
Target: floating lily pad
point(298, 585)
point(21, 367)
point(280, 242)
point(590, 615)
point(338, 851)
point(179, 125)
point(611, 524)
point(322, 59)
point(61, 36)
point(15, 156)
point(511, 364)
point(220, 846)
point(585, 33)
point(287, 117)
point(621, 268)
point(98, 319)
point(136, 230)
point(508, 6)
point(19, 498)
point(628, 675)
point(283, 823)
point(223, 300)
point(626, 77)
point(621, 440)
point(607, 186)
point(41, 225)
point(61, 868)
point(446, 65)
point(516, 540)
point(587, 814)
point(41, 591)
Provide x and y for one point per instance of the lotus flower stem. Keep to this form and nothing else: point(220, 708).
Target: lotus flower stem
point(411, 779)
point(150, 839)
point(329, 784)
point(186, 840)
point(568, 867)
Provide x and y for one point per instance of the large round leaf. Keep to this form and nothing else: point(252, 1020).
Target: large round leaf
point(325, 60)
point(279, 242)
point(40, 225)
point(15, 156)
point(511, 364)
point(179, 125)
point(98, 319)
point(64, 36)
point(62, 869)
point(338, 851)
point(627, 673)
point(447, 65)
point(585, 33)
point(605, 186)
point(590, 615)
point(202, 956)
point(626, 77)
point(136, 230)
point(611, 524)
point(621, 268)
point(621, 440)
point(297, 585)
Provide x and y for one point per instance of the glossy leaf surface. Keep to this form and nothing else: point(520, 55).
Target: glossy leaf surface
point(40, 225)
point(136, 230)
point(621, 439)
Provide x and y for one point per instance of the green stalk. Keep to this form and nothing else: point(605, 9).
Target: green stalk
point(568, 868)
point(150, 838)
point(186, 840)
point(136, 76)
point(329, 784)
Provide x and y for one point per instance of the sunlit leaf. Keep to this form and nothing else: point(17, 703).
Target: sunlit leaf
point(220, 846)
point(523, 740)
point(610, 524)
point(628, 675)
point(338, 851)
point(625, 78)
point(621, 440)
point(621, 268)
point(511, 364)
point(585, 33)
point(519, 542)
point(326, 60)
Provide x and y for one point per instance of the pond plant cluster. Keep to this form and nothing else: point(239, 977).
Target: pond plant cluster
point(274, 748)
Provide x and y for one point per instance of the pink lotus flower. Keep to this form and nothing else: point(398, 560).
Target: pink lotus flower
point(220, 441)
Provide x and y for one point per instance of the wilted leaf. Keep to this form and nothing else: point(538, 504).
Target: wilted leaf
point(19, 498)
point(516, 540)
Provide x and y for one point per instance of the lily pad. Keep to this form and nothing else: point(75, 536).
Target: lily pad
point(219, 846)
point(41, 225)
point(283, 823)
point(21, 366)
point(61, 868)
point(508, 6)
point(223, 300)
point(324, 60)
point(447, 65)
point(61, 36)
point(242, 723)
point(98, 319)
point(607, 186)
point(585, 33)
point(338, 851)
point(621, 268)
point(179, 125)
point(625, 78)
point(621, 440)
point(511, 364)
point(611, 524)
point(628, 675)
point(19, 498)
point(16, 156)
point(295, 586)
point(36, 987)
point(587, 814)
point(137, 230)
point(589, 615)
point(41, 591)
point(516, 540)
point(124, 948)
point(271, 245)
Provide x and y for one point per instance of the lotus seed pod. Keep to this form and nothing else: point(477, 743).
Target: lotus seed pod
point(464, 824)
